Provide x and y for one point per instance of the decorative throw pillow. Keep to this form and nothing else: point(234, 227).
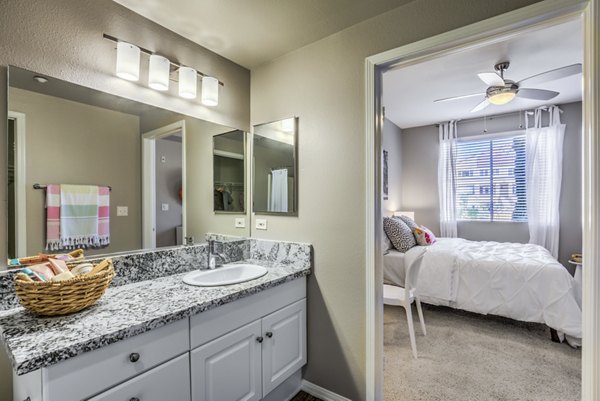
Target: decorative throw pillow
point(424, 236)
point(409, 222)
point(399, 234)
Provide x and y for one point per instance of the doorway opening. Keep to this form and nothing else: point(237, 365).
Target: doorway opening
point(163, 186)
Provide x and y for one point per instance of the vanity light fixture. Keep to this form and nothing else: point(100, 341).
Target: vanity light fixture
point(210, 91)
point(188, 82)
point(158, 73)
point(128, 67)
point(128, 61)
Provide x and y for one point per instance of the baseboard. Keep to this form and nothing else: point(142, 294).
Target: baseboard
point(320, 392)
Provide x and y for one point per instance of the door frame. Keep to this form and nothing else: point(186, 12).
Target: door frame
point(20, 183)
point(149, 181)
point(545, 13)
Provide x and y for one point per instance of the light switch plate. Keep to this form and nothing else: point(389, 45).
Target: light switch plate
point(261, 224)
point(164, 207)
point(122, 211)
point(240, 222)
point(163, 159)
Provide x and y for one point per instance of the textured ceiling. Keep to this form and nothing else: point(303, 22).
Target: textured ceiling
point(253, 32)
point(409, 92)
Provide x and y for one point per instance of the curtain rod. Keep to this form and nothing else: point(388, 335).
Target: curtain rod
point(487, 117)
point(149, 53)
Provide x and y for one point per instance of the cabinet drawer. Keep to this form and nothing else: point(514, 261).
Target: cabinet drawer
point(92, 372)
point(169, 381)
point(212, 324)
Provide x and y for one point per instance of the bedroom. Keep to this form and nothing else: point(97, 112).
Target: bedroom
point(489, 308)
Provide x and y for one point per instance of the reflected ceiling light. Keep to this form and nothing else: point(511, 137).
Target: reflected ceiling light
point(128, 61)
point(188, 82)
point(158, 73)
point(500, 95)
point(210, 91)
point(40, 79)
point(287, 125)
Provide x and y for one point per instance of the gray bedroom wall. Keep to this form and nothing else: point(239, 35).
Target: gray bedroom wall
point(419, 181)
point(63, 39)
point(323, 84)
point(392, 142)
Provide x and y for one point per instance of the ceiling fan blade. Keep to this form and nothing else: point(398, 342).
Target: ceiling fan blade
point(491, 78)
point(552, 75)
point(536, 94)
point(481, 106)
point(447, 99)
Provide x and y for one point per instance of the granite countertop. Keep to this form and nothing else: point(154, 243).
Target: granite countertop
point(124, 311)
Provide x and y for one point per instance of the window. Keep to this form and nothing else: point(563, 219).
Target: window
point(496, 192)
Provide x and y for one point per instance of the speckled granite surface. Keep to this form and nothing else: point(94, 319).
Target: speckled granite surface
point(149, 293)
point(123, 312)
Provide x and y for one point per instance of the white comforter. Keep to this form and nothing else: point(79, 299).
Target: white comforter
point(520, 281)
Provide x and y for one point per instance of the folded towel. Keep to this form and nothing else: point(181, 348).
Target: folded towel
point(53, 217)
point(104, 215)
point(79, 216)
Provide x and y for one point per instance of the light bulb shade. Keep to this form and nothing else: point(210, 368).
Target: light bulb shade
point(158, 73)
point(210, 91)
point(128, 61)
point(501, 98)
point(188, 82)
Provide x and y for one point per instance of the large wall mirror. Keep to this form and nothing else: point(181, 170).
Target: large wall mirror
point(152, 167)
point(229, 173)
point(275, 167)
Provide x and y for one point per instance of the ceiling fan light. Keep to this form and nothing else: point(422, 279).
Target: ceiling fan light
point(501, 98)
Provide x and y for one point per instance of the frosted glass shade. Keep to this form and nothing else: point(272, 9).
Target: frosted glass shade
point(210, 91)
point(158, 73)
point(188, 82)
point(128, 61)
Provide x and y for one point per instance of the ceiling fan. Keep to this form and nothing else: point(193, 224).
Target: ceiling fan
point(501, 91)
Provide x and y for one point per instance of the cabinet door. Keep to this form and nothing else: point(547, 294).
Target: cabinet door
point(228, 368)
point(284, 348)
point(169, 381)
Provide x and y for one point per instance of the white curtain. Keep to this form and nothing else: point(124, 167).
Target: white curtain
point(446, 179)
point(279, 191)
point(544, 153)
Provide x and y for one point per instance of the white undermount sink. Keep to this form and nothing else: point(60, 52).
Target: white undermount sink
point(225, 275)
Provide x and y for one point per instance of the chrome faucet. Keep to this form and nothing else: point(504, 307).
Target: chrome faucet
point(212, 255)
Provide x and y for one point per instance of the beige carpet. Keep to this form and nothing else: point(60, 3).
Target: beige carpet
point(472, 357)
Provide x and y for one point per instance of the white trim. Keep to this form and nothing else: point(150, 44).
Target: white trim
point(20, 174)
point(320, 392)
point(591, 199)
point(149, 180)
point(535, 16)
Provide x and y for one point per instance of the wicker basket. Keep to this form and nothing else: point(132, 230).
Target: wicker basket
point(53, 298)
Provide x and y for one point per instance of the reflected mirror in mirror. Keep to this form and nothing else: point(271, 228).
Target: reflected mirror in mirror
point(229, 172)
point(275, 168)
point(145, 163)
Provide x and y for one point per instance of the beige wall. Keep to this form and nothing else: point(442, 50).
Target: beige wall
point(74, 143)
point(63, 39)
point(323, 84)
point(168, 184)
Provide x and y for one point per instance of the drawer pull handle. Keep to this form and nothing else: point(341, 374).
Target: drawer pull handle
point(269, 334)
point(134, 399)
point(259, 339)
point(27, 399)
point(134, 357)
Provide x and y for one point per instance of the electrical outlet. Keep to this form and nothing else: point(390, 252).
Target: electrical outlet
point(240, 222)
point(122, 211)
point(261, 224)
point(164, 207)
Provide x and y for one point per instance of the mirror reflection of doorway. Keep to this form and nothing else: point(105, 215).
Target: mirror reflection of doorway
point(16, 185)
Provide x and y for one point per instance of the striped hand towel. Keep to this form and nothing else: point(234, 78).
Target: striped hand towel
point(104, 215)
point(79, 216)
point(53, 217)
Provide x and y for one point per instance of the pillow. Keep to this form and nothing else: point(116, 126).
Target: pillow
point(399, 234)
point(424, 236)
point(409, 222)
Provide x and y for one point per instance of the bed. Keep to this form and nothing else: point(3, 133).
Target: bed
point(519, 281)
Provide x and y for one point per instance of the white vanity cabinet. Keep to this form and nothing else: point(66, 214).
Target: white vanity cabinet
point(241, 350)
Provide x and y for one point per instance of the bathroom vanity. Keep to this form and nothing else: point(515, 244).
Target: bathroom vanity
point(161, 339)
